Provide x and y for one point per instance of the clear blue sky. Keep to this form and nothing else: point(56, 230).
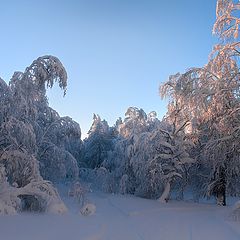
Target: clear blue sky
point(116, 52)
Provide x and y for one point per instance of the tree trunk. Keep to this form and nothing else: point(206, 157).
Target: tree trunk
point(221, 199)
point(221, 187)
point(165, 195)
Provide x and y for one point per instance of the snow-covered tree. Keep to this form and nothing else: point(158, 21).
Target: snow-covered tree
point(134, 122)
point(22, 134)
point(172, 159)
point(98, 143)
point(59, 146)
point(209, 99)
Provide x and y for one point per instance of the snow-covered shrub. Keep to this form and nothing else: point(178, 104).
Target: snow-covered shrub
point(9, 202)
point(235, 214)
point(46, 196)
point(88, 209)
point(57, 207)
point(38, 196)
point(6, 208)
point(78, 191)
point(123, 185)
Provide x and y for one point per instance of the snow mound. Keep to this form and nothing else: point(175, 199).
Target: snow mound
point(6, 209)
point(57, 208)
point(88, 209)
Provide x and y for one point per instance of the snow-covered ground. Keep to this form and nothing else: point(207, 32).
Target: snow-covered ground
point(120, 217)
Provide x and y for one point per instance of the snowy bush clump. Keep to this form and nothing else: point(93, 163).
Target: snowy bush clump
point(78, 191)
point(57, 207)
point(46, 196)
point(123, 188)
point(9, 202)
point(88, 209)
point(36, 196)
point(235, 214)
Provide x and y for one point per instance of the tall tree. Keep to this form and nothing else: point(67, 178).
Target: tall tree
point(22, 186)
point(210, 97)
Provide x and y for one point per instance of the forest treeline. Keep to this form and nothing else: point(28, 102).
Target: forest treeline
point(193, 149)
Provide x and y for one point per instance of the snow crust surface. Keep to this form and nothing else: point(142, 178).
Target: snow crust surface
point(122, 217)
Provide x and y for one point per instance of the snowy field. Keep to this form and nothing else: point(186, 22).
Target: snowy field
point(124, 218)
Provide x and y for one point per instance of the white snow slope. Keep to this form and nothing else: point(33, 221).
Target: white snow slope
point(124, 218)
